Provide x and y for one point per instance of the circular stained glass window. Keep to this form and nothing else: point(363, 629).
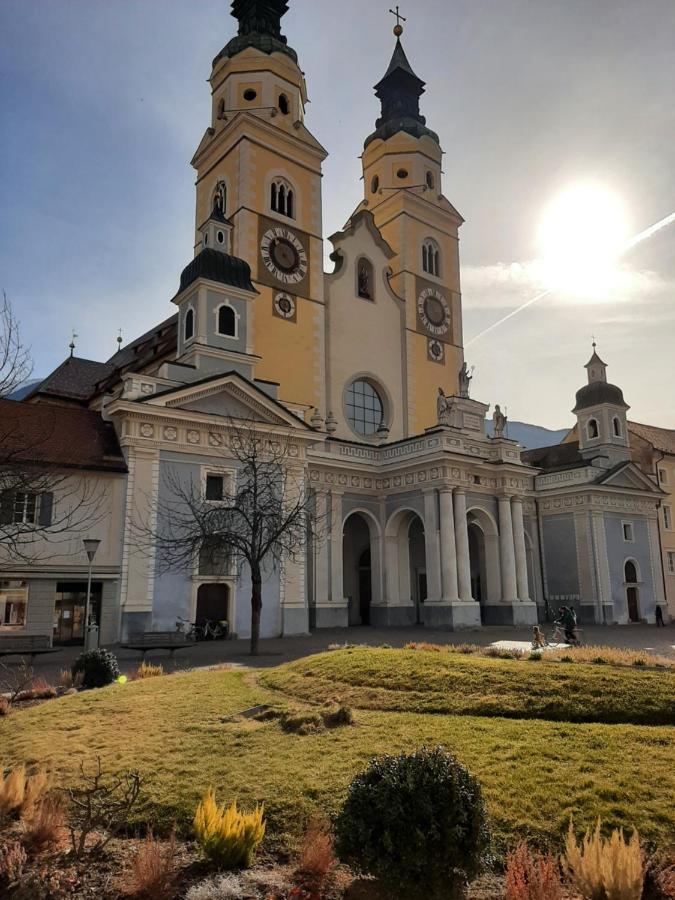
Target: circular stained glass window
point(364, 406)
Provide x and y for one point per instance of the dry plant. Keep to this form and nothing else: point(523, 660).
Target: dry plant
point(604, 868)
point(610, 656)
point(316, 856)
point(44, 825)
point(15, 679)
point(147, 670)
point(12, 860)
point(5, 707)
point(66, 679)
point(39, 689)
point(154, 868)
point(102, 804)
point(20, 793)
point(530, 876)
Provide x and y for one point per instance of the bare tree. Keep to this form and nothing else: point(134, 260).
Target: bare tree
point(262, 515)
point(41, 505)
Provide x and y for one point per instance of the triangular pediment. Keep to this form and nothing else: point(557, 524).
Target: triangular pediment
point(628, 476)
point(229, 396)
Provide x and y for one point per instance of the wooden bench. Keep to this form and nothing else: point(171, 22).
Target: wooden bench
point(157, 640)
point(26, 645)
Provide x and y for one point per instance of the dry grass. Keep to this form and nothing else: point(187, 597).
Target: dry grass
point(610, 656)
point(605, 868)
point(44, 825)
point(316, 856)
point(5, 706)
point(532, 876)
point(39, 689)
point(147, 670)
point(154, 868)
point(13, 858)
point(20, 793)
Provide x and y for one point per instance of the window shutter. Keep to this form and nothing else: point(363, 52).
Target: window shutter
point(6, 507)
point(46, 507)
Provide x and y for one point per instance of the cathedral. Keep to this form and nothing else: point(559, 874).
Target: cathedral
point(361, 371)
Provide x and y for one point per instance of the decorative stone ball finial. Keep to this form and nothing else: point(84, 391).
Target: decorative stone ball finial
point(398, 28)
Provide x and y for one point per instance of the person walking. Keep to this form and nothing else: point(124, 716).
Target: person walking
point(659, 617)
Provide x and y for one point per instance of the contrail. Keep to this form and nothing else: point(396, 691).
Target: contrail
point(637, 239)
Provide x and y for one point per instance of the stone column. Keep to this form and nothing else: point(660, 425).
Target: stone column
point(321, 552)
point(433, 560)
point(519, 546)
point(448, 550)
point(507, 552)
point(462, 545)
point(294, 611)
point(336, 566)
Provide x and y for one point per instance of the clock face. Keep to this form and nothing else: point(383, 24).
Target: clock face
point(284, 256)
point(434, 312)
point(284, 306)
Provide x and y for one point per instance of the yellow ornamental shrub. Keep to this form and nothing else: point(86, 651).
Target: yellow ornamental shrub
point(604, 869)
point(146, 670)
point(228, 837)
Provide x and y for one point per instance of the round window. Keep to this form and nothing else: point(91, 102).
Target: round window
point(221, 237)
point(364, 406)
point(250, 95)
point(402, 173)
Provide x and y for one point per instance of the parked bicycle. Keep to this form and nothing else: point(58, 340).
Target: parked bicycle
point(190, 629)
point(207, 630)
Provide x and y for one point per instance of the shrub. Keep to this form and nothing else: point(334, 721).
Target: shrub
point(604, 868)
point(98, 668)
point(316, 856)
point(423, 645)
point(417, 822)
point(44, 825)
point(532, 876)
point(302, 722)
point(154, 868)
point(258, 883)
point(5, 706)
point(145, 670)
point(38, 690)
point(12, 860)
point(20, 793)
point(228, 837)
point(660, 878)
point(337, 716)
point(102, 805)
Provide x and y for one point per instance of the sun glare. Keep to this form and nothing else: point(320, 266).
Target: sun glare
point(581, 237)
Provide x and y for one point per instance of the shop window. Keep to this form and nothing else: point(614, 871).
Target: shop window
point(13, 604)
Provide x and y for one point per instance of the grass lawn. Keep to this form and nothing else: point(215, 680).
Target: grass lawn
point(456, 684)
point(535, 773)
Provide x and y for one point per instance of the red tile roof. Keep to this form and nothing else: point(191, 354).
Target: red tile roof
point(58, 435)
point(662, 439)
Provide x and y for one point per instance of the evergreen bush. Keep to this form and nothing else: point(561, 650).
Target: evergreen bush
point(417, 822)
point(97, 668)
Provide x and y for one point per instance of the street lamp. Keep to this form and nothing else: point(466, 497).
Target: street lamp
point(91, 545)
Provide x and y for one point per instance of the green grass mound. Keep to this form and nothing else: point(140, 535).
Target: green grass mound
point(417, 681)
point(182, 733)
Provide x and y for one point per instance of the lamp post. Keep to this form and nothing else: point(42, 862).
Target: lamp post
point(91, 545)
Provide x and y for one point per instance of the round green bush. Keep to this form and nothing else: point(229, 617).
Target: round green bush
point(417, 822)
point(98, 668)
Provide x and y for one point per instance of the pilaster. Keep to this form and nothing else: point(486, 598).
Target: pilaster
point(507, 551)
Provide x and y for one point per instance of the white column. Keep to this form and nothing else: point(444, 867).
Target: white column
point(433, 560)
point(321, 560)
point(519, 545)
point(462, 545)
point(336, 565)
point(448, 549)
point(507, 552)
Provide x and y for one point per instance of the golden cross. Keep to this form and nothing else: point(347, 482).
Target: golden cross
point(399, 17)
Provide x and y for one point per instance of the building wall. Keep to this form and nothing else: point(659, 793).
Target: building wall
point(561, 561)
point(618, 552)
point(666, 472)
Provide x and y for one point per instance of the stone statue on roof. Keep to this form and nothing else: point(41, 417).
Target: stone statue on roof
point(499, 422)
point(464, 381)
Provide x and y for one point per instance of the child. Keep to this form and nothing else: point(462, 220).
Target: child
point(538, 640)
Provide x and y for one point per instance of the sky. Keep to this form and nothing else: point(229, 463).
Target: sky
point(103, 103)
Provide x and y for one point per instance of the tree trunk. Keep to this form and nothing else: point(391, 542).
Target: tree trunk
point(256, 608)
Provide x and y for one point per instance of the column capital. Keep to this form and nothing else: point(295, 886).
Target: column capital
point(459, 491)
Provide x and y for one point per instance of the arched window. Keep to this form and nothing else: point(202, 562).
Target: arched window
point(374, 184)
point(365, 279)
point(630, 572)
point(220, 197)
point(282, 198)
point(431, 181)
point(593, 429)
point(189, 328)
point(221, 109)
point(616, 424)
point(284, 106)
point(431, 258)
point(227, 321)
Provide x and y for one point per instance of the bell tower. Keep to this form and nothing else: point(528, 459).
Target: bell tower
point(601, 413)
point(402, 169)
point(261, 166)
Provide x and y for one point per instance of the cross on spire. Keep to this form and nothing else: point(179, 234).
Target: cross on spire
point(398, 30)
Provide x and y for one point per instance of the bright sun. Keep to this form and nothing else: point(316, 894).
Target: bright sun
point(581, 237)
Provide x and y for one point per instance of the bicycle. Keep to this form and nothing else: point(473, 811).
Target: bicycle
point(191, 630)
point(558, 637)
point(214, 631)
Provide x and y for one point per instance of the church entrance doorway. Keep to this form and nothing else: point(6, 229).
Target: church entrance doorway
point(213, 602)
point(357, 568)
point(484, 565)
point(477, 562)
point(418, 566)
point(632, 591)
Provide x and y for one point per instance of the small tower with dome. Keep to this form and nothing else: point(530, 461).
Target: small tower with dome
point(601, 413)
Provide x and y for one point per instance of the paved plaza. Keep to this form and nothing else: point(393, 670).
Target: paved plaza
point(279, 650)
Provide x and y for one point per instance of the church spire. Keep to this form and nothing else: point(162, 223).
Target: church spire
point(259, 27)
point(399, 92)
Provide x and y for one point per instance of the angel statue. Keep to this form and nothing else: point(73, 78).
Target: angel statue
point(498, 422)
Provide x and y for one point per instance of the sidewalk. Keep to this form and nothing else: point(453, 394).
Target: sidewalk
point(275, 651)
